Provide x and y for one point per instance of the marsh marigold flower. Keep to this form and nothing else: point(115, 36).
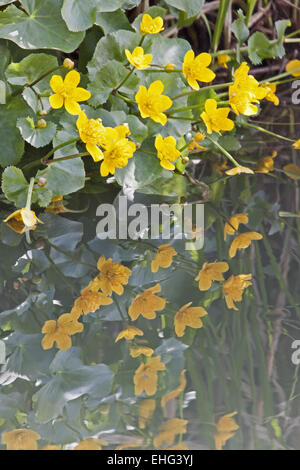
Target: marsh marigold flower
point(147, 304)
point(243, 240)
point(166, 151)
point(238, 170)
point(169, 396)
point(67, 93)
point(195, 142)
point(226, 428)
point(223, 59)
point(91, 444)
point(22, 220)
point(271, 90)
point(60, 331)
point(293, 65)
point(211, 272)
point(20, 439)
point(112, 276)
point(92, 133)
point(56, 206)
point(196, 68)
point(169, 430)
point(266, 164)
point(216, 119)
point(163, 257)
point(138, 59)
point(296, 144)
point(188, 316)
point(141, 350)
point(292, 171)
point(90, 301)
point(233, 224)
point(245, 91)
point(151, 25)
point(219, 166)
point(145, 377)
point(129, 333)
point(234, 287)
point(146, 410)
point(152, 102)
point(118, 149)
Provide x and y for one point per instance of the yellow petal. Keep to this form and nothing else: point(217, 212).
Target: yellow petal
point(72, 106)
point(72, 79)
point(56, 101)
point(95, 152)
point(56, 83)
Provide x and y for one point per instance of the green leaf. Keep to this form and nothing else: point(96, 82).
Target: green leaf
point(260, 47)
point(2, 352)
point(138, 130)
point(112, 21)
point(11, 142)
point(40, 26)
point(30, 68)
point(239, 27)
point(107, 79)
point(79, 15)
point(15, 186)
point(33, 135)
point(169, 50)
point(42, 196)
point(64, 177)
point(191, 7)
point(111, 5)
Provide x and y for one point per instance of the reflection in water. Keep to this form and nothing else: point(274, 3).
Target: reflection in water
point(144, 344)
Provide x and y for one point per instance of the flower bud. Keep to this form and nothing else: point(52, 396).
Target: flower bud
point(41, 182)
point(41, 124)
point(68, 64)
point(169, 67)
point(185, 160)
point(43, 112)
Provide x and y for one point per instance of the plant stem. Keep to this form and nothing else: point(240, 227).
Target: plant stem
point(227, 154)
point(261, 129)
point(123, 81)
point(210, 87)
point(281, 75)
point(28, 206)
point(29, 85)
point(68, 157)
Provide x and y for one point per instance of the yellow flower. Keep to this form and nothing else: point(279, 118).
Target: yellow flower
point(188, 316)
point(226, 427)
point(56, 206)
point(90, 301)
point(234, 222)
point(141, 350)
point(118, 149)
point(266, 164)
point(147, 303)
point(146, 410)
point(211, 272)
point(22, 220)
point(176, 392)
point(145, 377)
point(60, 331)
point(166, 151)
point(220, 166)
point(196, 68)
point(67, 93)
point(169, 430)
point(195, 142)
point(91, 444)
point(271, 90)
point(129, 333)
point(112, 275)
point(151, 25)
point(234, 287)
point(137, 58)
point(243, 240)
point(245, 91)
point(292, 170)
point(223, 59)
point(293, 65)
point(92, 133)
point(20, 439)
point(152, 102)
point(216, 119)
point(296, 144)
point(237, 170)
point(163, 257)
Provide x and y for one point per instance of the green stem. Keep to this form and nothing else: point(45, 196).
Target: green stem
point(124, 98)
point(28, 206)
point(227, 154)
point(218, 86)
point(261, 129)
point(123, 81)
point(118, 307)
point(68, 157)
point(147, 151)
point(29, 85)
point(281, 75)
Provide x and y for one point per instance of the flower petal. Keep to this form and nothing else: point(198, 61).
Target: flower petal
point(56, 101)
